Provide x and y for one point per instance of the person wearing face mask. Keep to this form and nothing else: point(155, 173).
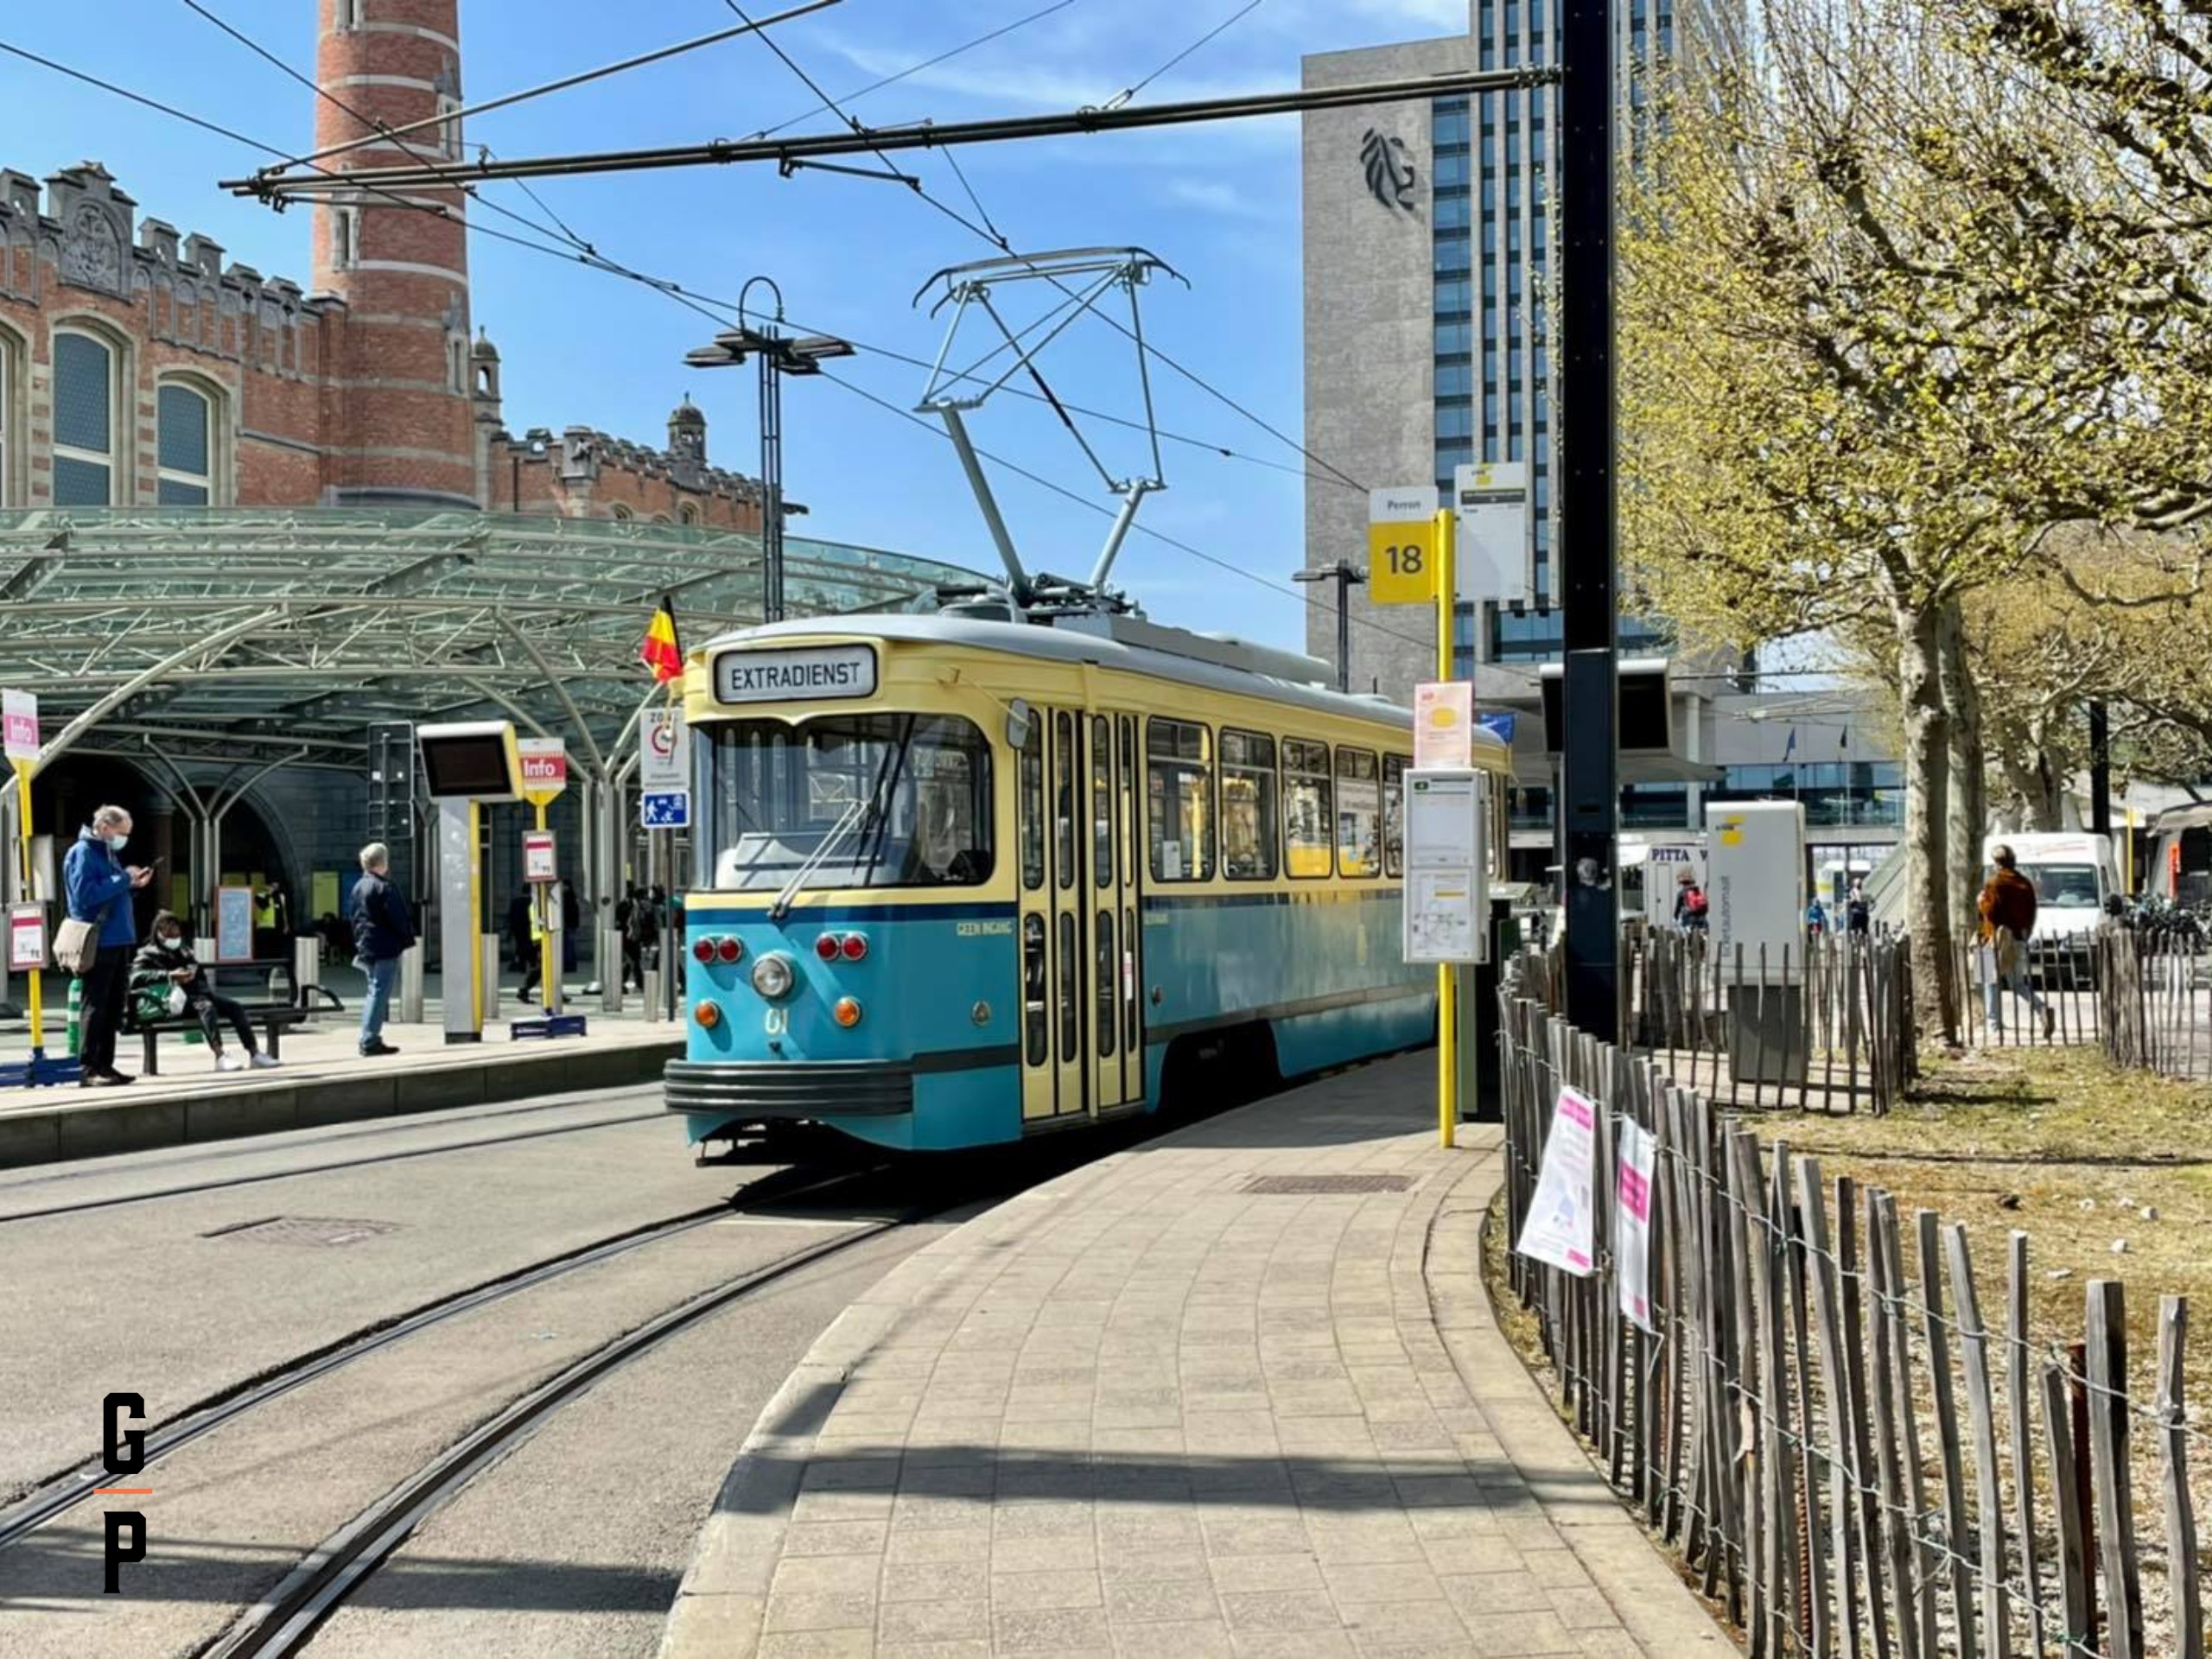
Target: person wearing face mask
point(164, 964)
point(97, 886)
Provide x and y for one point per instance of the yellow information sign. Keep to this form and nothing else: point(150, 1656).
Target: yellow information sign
point(1402, 547)
point(1401, 562)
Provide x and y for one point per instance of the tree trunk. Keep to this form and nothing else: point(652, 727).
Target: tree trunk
point(1966, 815)
point(1927, 793)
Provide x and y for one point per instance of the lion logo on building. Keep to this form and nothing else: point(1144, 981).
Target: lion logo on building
point(1389, 173)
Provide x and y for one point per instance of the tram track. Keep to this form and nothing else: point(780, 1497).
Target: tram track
point(260, 1178)
point(284, 1621)
point(49, 1498)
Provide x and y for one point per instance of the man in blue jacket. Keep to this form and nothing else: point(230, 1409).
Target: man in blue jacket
point(382, 931)
point(97, 884)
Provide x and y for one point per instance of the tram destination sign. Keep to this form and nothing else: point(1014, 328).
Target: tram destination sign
point(795, 676)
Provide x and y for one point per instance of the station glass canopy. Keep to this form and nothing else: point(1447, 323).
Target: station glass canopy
point(222, 633)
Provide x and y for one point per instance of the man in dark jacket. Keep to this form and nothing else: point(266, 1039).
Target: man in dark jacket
point(2008, 920)
point(98, 886)
point(382, 931)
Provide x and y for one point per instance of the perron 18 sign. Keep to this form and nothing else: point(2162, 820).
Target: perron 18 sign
point(1401, 544)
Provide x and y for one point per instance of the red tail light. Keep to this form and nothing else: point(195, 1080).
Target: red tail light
point(826, 947)
point(855, 946)
point(731, 947)
point(703, 950)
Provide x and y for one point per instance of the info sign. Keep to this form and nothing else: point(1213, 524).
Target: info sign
point(1444, 713)
point(665, 751)
point(1561, 1229)
point(538, 862)
point(1491, 554)
point(19, 725)
point(544, 767)
point(1402, 552)
point(26, 938)
point(1448, 886)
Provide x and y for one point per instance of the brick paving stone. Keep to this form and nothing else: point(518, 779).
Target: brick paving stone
point(1139, 1410)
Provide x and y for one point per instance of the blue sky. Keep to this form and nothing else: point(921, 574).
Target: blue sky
point(1219, 202)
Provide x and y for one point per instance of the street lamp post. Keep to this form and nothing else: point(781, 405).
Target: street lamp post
point(1347, 576)
point(777, 355)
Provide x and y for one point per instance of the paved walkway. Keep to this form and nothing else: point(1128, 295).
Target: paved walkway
point(1153, 1407)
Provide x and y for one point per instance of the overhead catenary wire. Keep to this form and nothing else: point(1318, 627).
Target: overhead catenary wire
point(580, 251)
point(1142, 529)
point(877, 85)
point(1205, 40)
point(723, 311)
point(999, 241)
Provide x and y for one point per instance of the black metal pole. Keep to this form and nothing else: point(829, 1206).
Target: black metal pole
point(1584, 530)
point(772, 484)
point(2100, 769)
point(1344, 625)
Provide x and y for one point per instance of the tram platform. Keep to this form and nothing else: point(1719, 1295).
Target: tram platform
point(1237, 1390)
point(323, 1078)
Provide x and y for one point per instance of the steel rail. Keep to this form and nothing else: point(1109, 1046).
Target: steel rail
point(285, 1620)
point(61, 1493)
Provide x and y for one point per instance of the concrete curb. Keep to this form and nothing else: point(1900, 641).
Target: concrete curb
point(106, 1126)
point(1632, 1572)
point(724, 1598)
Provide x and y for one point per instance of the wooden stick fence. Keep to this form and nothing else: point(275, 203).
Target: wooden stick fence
point(1852, 1461)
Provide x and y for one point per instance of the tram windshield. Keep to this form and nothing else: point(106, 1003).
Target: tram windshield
point(858, 801)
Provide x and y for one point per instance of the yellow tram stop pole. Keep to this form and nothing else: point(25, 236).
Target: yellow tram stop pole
point(23, 827)
point(1447, 1002)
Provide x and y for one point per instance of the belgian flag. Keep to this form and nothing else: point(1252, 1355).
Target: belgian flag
point(660, 651)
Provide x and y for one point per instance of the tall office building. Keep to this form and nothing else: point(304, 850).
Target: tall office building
point(1428, 229)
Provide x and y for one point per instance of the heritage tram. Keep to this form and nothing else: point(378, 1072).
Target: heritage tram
point(958, 880)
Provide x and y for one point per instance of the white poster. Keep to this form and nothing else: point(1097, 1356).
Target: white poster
point(1632, 1222)
point(1559, 1229)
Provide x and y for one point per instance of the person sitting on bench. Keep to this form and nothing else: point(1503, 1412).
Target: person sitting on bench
point(165, 968)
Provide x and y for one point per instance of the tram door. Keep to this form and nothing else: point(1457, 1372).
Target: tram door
point(1078, 803)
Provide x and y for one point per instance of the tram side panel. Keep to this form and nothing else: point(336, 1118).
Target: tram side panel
point(1322, 970)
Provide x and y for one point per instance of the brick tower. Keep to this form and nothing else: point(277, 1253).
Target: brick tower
point(399, 414)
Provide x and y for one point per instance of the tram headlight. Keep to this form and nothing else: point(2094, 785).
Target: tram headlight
point(771, 975)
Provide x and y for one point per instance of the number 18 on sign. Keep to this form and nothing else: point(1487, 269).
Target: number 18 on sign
point(1401, 544)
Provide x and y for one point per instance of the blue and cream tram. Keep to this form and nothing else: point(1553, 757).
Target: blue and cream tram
point(959, 881)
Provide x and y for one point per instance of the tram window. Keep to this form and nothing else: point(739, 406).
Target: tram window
point(1309, 822)
point(1247, 806)
point(1033, 807)
point(1101, 801)
point(1063, 800)
point(1393, 815)
point(1033, 1022)
point(857, 801)
point(1106, 981)
point(1359, 814)
point(1070, 979)
point(1178, 789)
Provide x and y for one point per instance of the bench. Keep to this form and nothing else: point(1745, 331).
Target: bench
point(271, 1019)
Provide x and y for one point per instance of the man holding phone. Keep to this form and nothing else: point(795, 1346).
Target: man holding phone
point(98, 886)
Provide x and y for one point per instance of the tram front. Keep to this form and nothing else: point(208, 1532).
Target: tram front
point(851, 930)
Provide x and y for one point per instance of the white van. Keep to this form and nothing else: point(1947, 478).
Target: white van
point(2073, 875)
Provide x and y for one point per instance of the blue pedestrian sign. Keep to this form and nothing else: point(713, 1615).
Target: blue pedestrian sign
point(665, 809)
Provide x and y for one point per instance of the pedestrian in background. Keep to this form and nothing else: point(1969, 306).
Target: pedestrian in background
point(2007, 906)
point(1858, 914)
point(383, 932)
point(97, 886)
point(1816, 917)
point(1691, 907)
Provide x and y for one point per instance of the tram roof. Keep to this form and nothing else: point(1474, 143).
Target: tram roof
point(1071, 646)
point(246, 633)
